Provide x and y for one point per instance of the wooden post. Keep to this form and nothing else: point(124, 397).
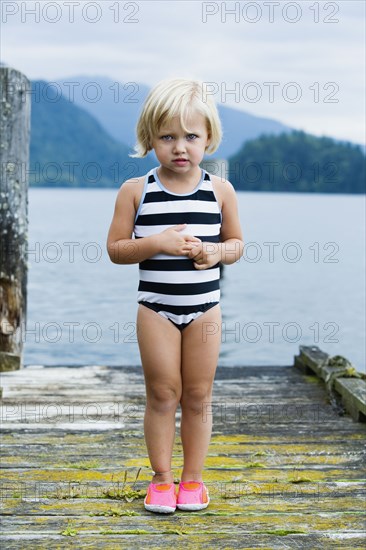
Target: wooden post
point(14, 162)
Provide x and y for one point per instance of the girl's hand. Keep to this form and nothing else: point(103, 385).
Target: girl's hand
point(174, 243)
point(205, 255)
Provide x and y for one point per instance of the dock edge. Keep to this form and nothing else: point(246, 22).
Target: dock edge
point(339, 376)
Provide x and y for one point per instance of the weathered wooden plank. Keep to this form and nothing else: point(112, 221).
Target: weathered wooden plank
point(228, 499)
point(238, 410)
point(334, 371)
point(50, 457)
point(353, 392)
point(207, 541)
point(117, 518)
point(212, 475)
point(310, 360)
point(344, 433)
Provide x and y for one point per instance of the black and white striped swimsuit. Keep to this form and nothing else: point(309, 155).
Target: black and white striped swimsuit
point(171, 285)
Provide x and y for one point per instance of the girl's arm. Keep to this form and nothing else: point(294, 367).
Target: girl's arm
point(123, 249)
point(231, 237)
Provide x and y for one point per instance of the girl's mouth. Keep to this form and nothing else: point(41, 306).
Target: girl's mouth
point(180, 161)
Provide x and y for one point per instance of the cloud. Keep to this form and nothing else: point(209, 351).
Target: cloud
point(171, 38)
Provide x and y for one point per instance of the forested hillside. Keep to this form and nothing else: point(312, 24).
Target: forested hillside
point(298, 161)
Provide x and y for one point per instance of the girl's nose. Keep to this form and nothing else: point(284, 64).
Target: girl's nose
point(180, 145)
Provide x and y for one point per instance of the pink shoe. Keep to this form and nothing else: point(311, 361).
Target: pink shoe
point(193, 495)
point(161, 498)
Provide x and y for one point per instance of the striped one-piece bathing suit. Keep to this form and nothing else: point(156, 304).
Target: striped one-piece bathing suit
point(171, 285)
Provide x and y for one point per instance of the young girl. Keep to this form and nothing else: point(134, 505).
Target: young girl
point(185, 222)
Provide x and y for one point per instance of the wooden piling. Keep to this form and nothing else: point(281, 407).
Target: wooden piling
point(14, 162)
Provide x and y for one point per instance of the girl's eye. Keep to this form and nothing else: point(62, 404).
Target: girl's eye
point(166, 138)
point(191, 136)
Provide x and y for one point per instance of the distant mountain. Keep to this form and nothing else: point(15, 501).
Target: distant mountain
point(74, 146)
point(298, 162)
point(70, 148)
point(239, 127)
point(117, 106)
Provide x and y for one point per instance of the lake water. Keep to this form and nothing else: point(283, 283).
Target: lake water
point(300, 281)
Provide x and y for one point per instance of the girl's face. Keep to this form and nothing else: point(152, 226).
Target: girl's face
point(178, 150)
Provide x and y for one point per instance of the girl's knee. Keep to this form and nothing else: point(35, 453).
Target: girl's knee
point(163, 398)
point(195, 398)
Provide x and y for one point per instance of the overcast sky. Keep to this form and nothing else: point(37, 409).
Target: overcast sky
point(313, 53)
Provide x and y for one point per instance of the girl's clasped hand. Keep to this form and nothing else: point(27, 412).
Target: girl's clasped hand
point(174, 242)
point(203, 254)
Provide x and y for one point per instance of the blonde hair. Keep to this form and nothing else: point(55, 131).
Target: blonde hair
point(171, 98)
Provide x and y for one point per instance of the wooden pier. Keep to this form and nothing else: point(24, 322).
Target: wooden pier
point(285, 467)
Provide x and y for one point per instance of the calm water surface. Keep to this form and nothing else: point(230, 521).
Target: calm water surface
point(301, 281)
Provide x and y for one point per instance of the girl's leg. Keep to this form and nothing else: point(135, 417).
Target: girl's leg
point(160, 349)
point(200, 351)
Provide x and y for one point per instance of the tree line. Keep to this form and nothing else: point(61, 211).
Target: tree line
point(298, 162)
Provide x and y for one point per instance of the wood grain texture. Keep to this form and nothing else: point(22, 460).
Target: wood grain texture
point(14, 167)
point(284, 470)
